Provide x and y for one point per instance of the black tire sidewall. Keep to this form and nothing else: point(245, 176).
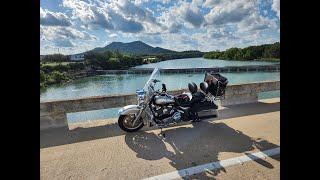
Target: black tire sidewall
point(120, 123)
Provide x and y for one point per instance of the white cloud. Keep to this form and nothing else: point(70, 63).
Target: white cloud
point(197, 2)
point(178, 25)
point(256, 22)
point(226, 37)
point(113, 35)
point(242, 13)
point(48, 18)
point(139, 2)
point(222, 32)
point(179, 42)
point(211, 3)
point(152, 39)
point(276, 7)
point(131, 10)
point(163, 1)
point(181, 15)
point(88, 14)
point(170, 21)
point(122, 15)
point(191, 13)
point(62, 36)
point(144, 16)
point(64, 43)
point(230, 12)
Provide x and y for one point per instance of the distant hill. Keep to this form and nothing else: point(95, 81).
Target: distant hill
point(135, 47)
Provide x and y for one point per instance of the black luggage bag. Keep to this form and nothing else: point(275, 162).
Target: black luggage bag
point(217, 84)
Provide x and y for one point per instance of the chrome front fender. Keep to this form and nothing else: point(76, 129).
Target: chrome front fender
point(134, 109)
point(130, 109)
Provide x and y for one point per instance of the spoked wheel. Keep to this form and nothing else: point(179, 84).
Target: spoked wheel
point(126, 123)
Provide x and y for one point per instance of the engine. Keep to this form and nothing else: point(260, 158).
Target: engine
point(166, 114)
point(161, 112)
point(164, 110)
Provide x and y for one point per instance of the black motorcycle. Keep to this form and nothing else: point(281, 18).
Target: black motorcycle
point(158, 108)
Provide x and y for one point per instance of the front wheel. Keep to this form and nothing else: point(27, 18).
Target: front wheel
point(126, 123)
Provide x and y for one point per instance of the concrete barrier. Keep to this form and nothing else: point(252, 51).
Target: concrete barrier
point(53, 113)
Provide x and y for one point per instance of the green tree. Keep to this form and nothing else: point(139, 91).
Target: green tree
point(267, 51)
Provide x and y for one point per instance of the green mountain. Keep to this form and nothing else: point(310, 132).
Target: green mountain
point(135, 47)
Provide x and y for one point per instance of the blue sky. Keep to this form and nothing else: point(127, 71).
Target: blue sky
point(74, 26)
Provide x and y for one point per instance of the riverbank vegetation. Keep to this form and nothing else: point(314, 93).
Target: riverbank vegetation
point(57, 73)
point(266, 52)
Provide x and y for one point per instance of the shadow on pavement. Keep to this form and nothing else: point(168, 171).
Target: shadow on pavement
point(192, 146)
point(57, 137)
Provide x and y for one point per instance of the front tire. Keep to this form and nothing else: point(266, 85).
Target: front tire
point(125, 123)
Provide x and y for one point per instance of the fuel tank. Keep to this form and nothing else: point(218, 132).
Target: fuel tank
point(164, 99)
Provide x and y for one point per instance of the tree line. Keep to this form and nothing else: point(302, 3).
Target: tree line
point(57, 69)
point(180, 55)
point(269, 52)
point(54, 58)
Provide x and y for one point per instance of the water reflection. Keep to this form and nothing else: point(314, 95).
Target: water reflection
point(200, 63)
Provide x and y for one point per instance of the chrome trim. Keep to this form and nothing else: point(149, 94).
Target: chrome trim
point(130, 109)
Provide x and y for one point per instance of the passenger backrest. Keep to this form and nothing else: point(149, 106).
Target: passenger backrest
point(193, 88)
point(204, 87)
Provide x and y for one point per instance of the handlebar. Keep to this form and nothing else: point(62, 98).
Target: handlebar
point(156, 80)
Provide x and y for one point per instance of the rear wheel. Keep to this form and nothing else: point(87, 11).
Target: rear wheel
point(126, 123)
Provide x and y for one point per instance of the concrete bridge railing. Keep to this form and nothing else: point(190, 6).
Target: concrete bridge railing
point(53, 114)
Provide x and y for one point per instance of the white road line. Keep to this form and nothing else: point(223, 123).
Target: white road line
point(216, 165)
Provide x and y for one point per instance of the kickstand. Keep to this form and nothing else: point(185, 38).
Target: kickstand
point(162, 134)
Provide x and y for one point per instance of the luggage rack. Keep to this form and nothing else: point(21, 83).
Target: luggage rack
point(219, 82)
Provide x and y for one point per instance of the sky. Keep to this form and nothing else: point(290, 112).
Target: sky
point(75, 26)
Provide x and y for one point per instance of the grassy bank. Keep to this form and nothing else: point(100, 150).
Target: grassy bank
point(59, 73)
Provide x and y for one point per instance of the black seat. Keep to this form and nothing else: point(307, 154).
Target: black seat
point(198, 97)
point(198, 101)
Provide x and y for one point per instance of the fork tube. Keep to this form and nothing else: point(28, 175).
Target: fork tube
point(138, 116)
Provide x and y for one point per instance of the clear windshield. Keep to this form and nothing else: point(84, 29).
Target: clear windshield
point(149, 87)
point(151, 81)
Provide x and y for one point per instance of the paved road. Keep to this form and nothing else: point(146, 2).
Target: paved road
point(101, 150)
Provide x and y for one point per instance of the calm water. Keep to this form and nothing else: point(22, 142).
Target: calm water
point(200, 63)
point(119, 84)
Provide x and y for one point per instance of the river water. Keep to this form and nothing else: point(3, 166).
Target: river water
point(128, 83)
point(200, 63)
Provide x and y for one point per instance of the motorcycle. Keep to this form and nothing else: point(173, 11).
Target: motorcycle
point(160, 109)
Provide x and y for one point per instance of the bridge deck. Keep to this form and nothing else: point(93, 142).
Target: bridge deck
point(101, 150)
